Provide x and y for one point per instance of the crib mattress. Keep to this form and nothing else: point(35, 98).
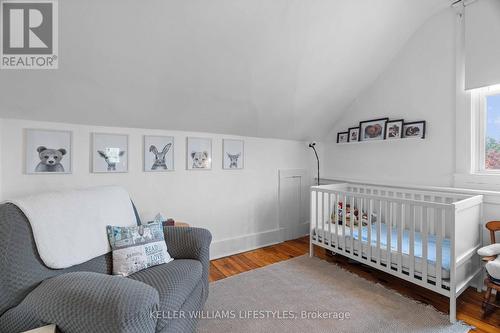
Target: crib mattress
point(405, 260)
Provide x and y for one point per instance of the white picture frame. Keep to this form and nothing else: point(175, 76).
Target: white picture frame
point(159, 153)
point(198, 153)
point(233, 154)
point(110, 153)
point(57, 158)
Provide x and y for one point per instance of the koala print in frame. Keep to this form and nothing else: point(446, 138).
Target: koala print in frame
point(48, 151)
point(199, 153)
point(233, 154)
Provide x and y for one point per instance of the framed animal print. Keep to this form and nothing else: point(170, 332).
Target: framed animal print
point(158, 153)
point(233, 154)
point(394, 129)
point(110, 153)
point(414, 129)
point(353, 134)
point(342, 137)
point(48, 151)
point(371, 130)
point(199, 153)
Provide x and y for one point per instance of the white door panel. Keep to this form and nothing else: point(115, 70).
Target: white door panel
point(293, 203)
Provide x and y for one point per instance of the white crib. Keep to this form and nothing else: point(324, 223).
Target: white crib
point(433, 236)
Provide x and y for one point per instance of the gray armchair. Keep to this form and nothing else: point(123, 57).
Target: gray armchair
point(87, 298)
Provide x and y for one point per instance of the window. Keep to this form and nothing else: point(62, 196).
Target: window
point(488, 106)
point(492, 137)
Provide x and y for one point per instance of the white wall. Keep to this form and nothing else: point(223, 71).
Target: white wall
point(419, 84)
point(482, 51)
point(239, 207)
point(280, 68)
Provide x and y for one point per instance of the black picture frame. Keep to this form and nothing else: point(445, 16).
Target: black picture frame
point(402, 123)
point(421, 135)
point(378, 137)
point(339, 134)
point(349, 134)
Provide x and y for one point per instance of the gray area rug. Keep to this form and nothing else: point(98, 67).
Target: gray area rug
point(281, 297)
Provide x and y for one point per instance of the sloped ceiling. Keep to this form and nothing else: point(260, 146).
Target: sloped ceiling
point(268, 68)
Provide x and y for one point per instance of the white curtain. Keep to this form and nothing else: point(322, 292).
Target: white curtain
point(482, 43)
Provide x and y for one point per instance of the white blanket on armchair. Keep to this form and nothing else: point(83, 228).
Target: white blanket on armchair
point(69, 227)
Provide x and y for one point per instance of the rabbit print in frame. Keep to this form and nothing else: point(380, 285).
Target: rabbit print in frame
point(158, 153)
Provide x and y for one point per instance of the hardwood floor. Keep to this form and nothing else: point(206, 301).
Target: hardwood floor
point(468, 305)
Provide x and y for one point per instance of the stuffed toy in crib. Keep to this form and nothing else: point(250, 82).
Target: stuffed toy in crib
point(340, 212)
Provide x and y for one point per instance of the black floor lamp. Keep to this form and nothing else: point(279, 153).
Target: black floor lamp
point(313, 146)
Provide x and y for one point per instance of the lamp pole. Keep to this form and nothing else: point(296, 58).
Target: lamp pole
point(313, 146)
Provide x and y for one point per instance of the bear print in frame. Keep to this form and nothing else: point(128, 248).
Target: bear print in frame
point(158, 153)
point(198, 153)
point(48, 151)
point(233, 152)
point(109, 153)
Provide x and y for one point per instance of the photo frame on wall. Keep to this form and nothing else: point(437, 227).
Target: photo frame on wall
point(198, 153)
point(371, 130)
point(342, 137)
point(394, 129)
point(48, 151)
point(415, 129)
point(233, 152)
point(158, 153)
point(353, 134)
point(109, 153)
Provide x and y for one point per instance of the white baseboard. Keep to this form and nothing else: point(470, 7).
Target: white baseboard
point(226, 247)
point(298, 231)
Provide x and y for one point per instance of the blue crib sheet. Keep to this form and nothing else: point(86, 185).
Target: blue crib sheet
point(431, 243)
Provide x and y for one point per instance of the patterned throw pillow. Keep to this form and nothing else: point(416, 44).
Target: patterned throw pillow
point(136, 248)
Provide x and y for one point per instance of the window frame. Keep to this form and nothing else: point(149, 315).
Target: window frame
point(479, 106)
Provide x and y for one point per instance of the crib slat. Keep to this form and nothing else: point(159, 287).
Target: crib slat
point(433, 213)
point(329, 219)
point(369, 216)
point(351, 225)
point(360, 225)
point(389, 220)
point(412, 240)
point(337, 219)
point(323, 218)
point(379, 233)
point(424, 232)
point(317, 217)
point(399, 222)
point(344, 218)
point(439, 241)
